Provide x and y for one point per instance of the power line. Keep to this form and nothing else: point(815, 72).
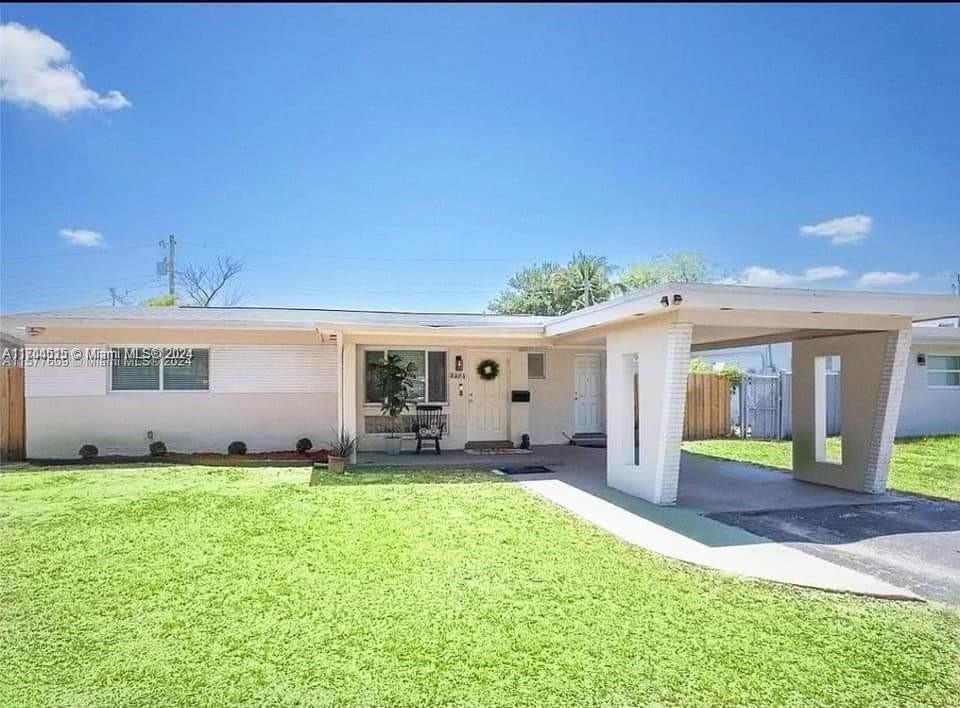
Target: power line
point(61, 254)
point(58, 297)
point(48, 288)
point(366, 258)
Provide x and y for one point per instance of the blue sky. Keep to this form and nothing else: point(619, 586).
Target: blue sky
point(413, 157)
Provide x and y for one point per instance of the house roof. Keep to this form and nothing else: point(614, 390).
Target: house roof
point(269, 318)
point(652, 300)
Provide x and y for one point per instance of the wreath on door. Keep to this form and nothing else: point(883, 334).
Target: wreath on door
point(488, 369)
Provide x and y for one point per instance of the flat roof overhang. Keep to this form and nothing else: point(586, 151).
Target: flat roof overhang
point(773, 309)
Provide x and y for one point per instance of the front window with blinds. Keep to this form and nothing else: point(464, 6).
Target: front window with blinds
point(430, 384)
point(160, 369)
point(943, 371)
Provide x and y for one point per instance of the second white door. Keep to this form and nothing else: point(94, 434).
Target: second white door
point(589, 389)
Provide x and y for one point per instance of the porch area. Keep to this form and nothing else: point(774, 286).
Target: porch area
point(707, 485)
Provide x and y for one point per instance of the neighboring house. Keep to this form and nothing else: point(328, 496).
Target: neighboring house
point(268, 376)
point(931, 391)
point(931, 396)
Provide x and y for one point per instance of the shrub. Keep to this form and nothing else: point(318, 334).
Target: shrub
point(88, 451)
point(158, 449)
point(237, 447)
point(304, 445)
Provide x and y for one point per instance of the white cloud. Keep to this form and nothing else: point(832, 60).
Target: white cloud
point(842, 230)
point(35, 70)
point(768, 277)
point(82, 237)
point(880, 278)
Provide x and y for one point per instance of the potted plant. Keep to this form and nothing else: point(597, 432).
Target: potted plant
point(342, 447)
point(395, 381)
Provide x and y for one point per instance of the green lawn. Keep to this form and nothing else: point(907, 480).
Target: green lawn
point(928, 466)
point(208, 586)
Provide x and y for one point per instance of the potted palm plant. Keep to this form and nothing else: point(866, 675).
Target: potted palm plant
point(342, 447)
point(395, 381)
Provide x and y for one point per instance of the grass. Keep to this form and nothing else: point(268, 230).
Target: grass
point(202, 586)
point(926, 466)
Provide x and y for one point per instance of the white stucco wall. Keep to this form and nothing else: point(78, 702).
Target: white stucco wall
point(925, 410)
point(872, 375)
point(551, 399)
point(265, 395)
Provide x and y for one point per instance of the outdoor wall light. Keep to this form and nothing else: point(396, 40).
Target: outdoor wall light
point(921, 359)
point(458, 363)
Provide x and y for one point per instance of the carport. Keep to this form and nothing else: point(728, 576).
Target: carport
point(648, 337)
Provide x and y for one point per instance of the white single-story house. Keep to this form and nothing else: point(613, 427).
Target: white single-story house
point(269, 376)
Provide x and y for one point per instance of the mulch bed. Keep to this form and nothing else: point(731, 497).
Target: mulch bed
point(284, 458)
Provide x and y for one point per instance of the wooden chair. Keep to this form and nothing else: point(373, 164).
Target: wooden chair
point(429, 425)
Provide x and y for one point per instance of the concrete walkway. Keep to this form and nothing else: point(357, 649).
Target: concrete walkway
point(687, 536)
point(577, 482)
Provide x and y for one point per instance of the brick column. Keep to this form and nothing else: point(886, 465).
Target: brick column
point(887, 412)
point(679, 336)
point(663, 352)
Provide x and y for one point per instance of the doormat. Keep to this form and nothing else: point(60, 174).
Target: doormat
point(529, 469)
point(497, 451)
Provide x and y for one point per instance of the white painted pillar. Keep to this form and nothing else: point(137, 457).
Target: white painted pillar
point(347, 411)
point(873, 367)
point(663, 355)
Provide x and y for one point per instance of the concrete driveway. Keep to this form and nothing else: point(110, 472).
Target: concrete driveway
point(912, 543)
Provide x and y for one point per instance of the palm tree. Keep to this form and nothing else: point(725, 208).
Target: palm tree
point(587, 278)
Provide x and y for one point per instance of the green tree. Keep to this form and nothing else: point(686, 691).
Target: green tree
point(534, 291)
point(551, 289)
point(686, 267)
point(588, 279)
point(167, 300)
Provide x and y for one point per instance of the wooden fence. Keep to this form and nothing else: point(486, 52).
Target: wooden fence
point(708, 407)
point(12, 414)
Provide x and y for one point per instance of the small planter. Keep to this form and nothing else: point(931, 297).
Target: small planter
point(392, 445)
point(335, 464)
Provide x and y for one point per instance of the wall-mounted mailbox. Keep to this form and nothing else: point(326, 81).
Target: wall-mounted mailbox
point(520, 396)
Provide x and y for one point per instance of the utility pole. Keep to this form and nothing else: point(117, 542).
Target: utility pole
point(116, 296)
point(168, 266)
point(955, 283)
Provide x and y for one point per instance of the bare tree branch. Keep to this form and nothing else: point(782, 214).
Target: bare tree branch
point(203, 282)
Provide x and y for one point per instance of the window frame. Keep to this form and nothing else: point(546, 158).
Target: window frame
point(386, 349)
point(543, 358)
point(930, 370)
point(160, 389)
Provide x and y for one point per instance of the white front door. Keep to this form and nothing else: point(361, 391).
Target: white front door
point(588, 394)
point(488, 401)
